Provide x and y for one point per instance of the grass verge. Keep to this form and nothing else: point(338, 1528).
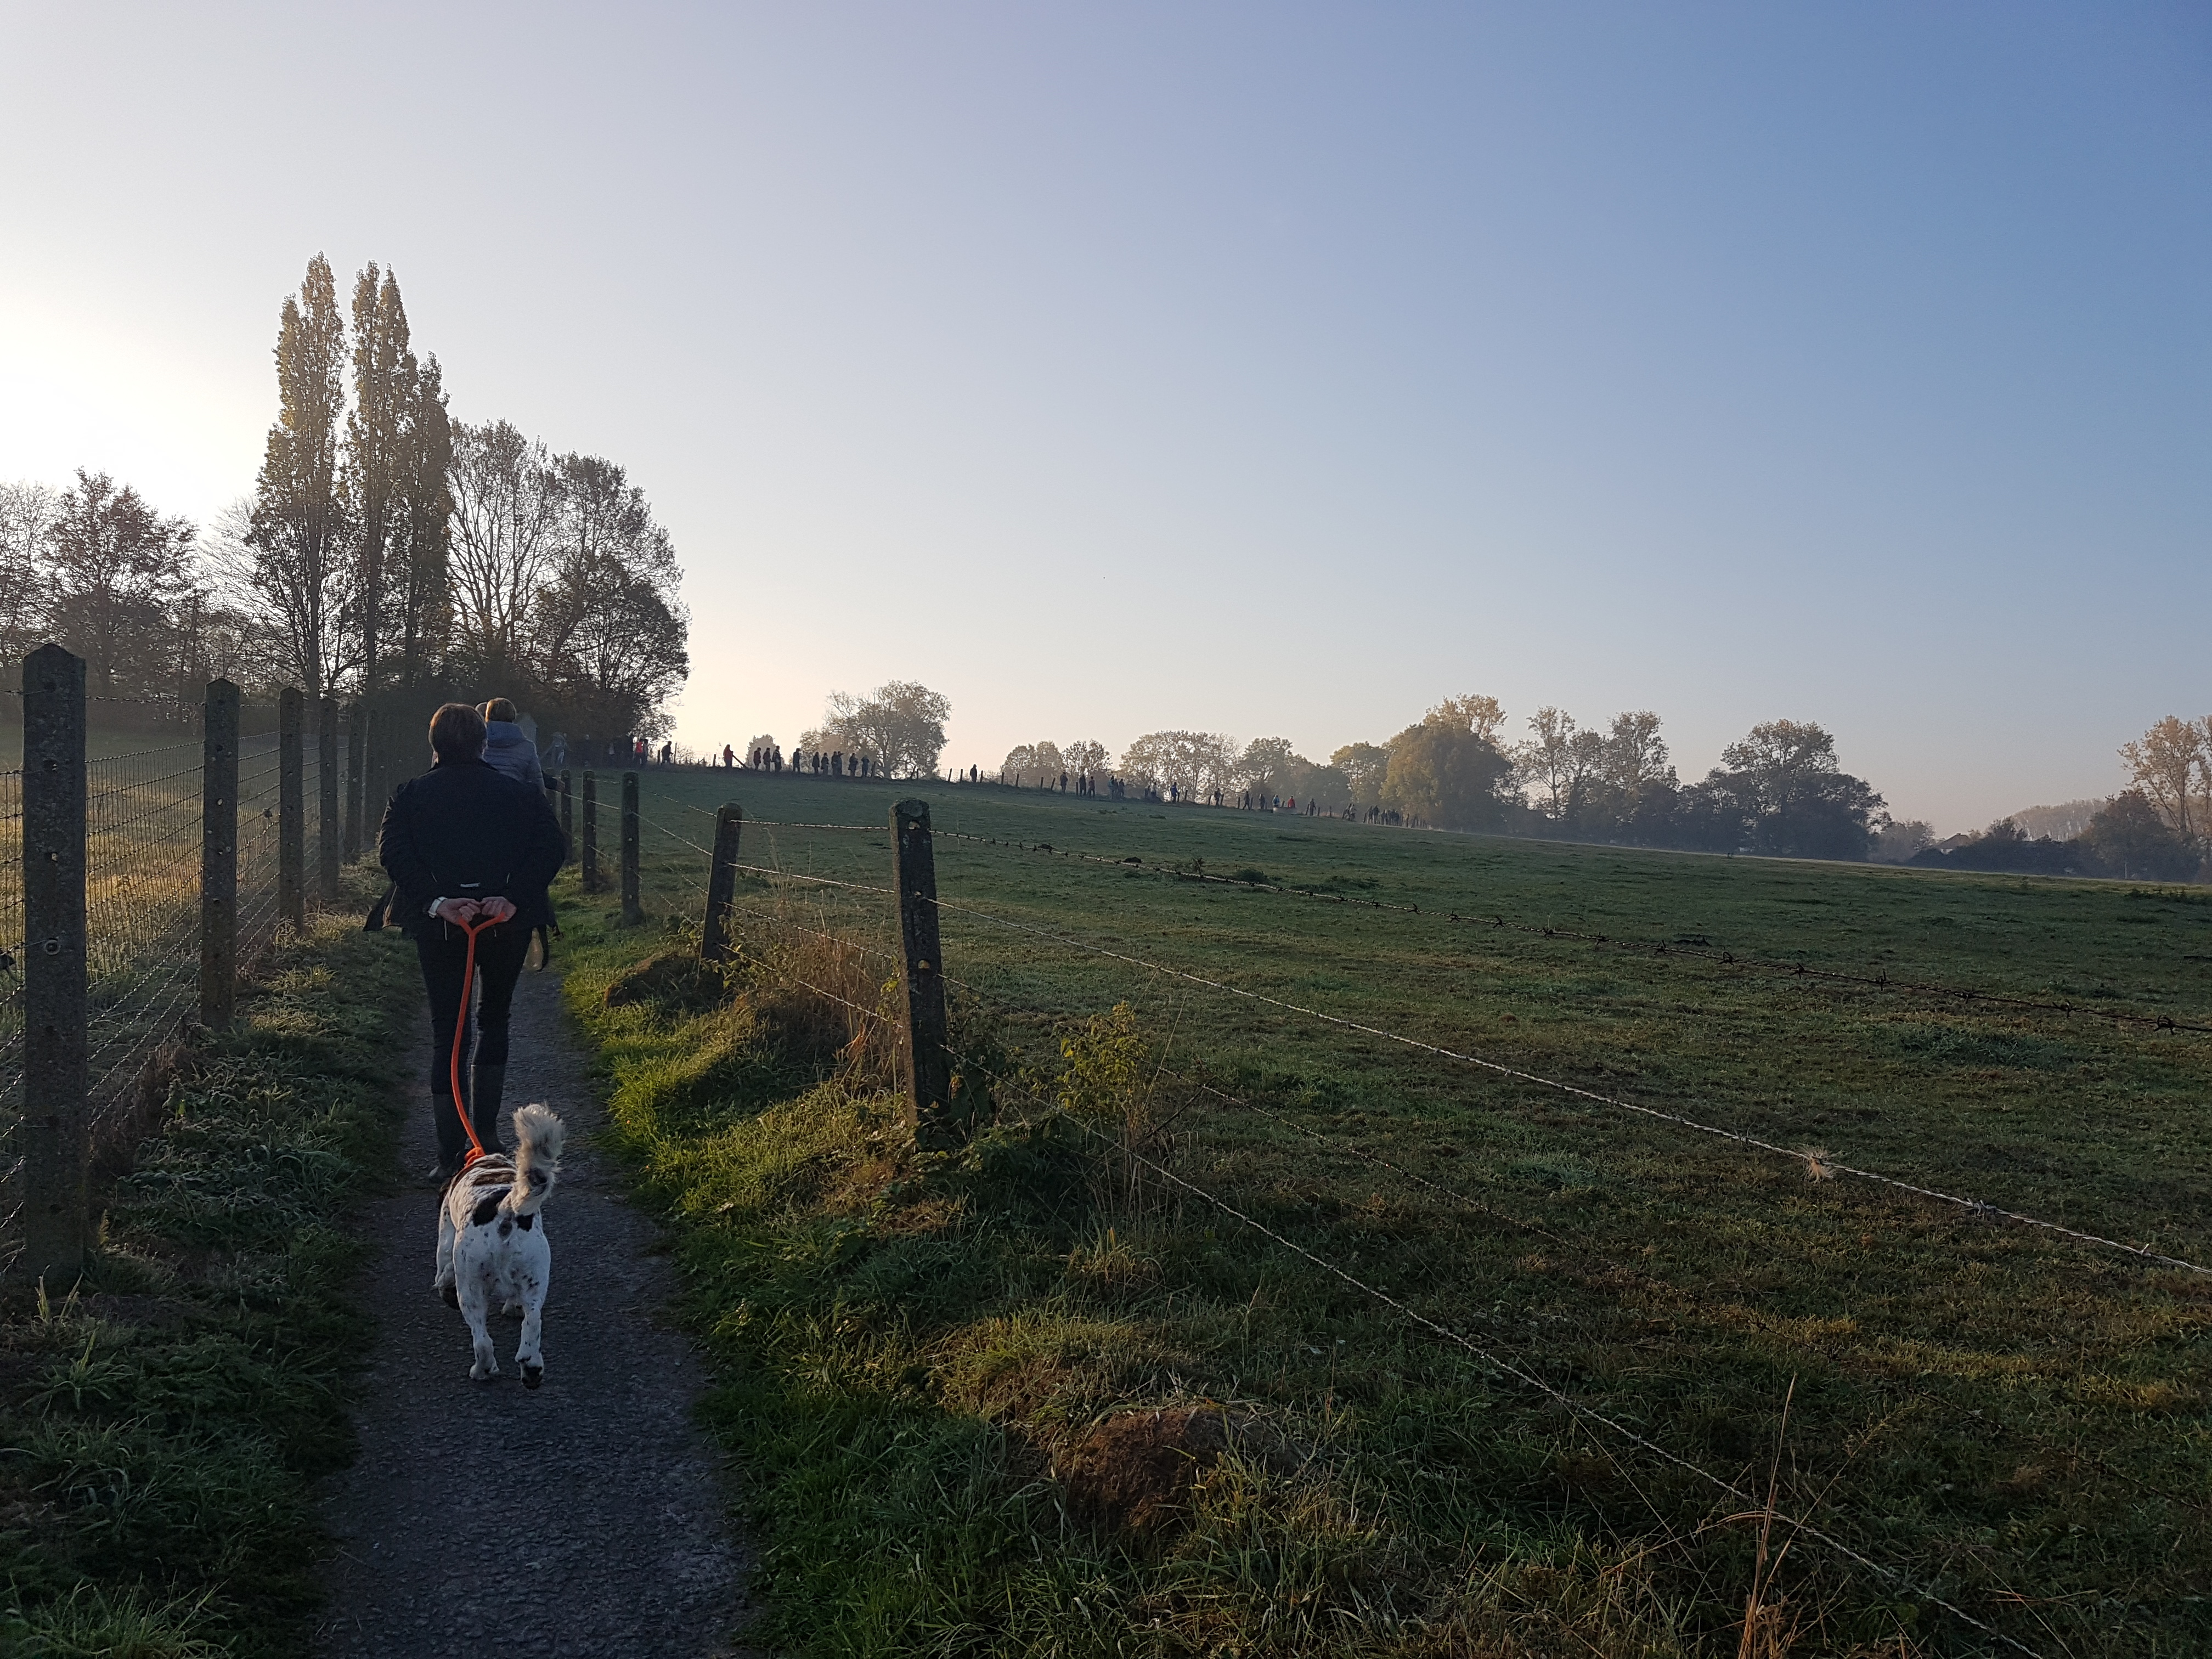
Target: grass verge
point(1026, 1401)
point(164, 1419)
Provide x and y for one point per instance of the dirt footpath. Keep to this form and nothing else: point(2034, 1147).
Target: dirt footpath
point(586, 1518)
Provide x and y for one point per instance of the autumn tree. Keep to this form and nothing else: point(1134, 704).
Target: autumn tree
point(507, 509)
point(1780, 789)
point(1559, 759)
point(1085, 758)
point(2132, 838)
point(375, 461)
point(2171, 765)
point(1193, 764)
point(899, 726)
point(1441, 774)
point(1363, 766)
point(1026, 761)
point(119, 584)
point(1482, 716)
point(1267, 766)
point(608, 634)
point(417, 563)
point(27, 519)
point(299, 529)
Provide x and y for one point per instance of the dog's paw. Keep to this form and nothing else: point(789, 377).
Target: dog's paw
point(532, 1375)
point(483, 1373)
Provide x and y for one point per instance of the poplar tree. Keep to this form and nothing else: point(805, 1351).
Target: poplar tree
point(375, 447)
point(299, 533)
point(421, 522)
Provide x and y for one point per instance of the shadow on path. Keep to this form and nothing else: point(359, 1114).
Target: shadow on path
point(587, 1517)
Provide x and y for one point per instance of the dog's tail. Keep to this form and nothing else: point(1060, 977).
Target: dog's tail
point(538, 1138)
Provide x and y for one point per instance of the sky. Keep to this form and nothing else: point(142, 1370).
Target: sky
point(1277, 369)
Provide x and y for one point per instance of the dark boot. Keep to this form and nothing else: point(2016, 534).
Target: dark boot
point(452, 1143)
point(489, 1082)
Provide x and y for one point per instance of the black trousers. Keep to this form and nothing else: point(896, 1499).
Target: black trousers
point(443, 952)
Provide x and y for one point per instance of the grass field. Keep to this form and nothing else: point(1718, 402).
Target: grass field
point(930, 1369)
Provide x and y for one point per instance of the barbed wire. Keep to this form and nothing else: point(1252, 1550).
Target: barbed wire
point(1757, 1509)
point(1688, 944)
point(1814, 1162)
point(782, 919)
point(1818, 1164)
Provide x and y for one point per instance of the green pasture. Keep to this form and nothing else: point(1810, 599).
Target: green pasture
point(2009, 1418)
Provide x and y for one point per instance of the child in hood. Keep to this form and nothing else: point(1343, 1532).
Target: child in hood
point(507, 749)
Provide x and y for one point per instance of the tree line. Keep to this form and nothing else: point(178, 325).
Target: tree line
point(387, 551)
point(2158, 829)
point(1778, 790)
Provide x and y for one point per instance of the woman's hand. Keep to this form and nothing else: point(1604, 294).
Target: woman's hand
point(495, 908)
point(459, 912)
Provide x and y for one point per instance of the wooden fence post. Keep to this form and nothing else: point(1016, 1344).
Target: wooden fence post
point(55, 1074)
point(590, 858)
point(291, 810)
point(721, 884)
point(939, 1104)
point(567, 816)
point(632, 912)
point(219, 858)
point(357, 745)
point(326, 801)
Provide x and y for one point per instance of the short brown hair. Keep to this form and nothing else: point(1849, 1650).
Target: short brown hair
point(457, 733)
point(499, 708)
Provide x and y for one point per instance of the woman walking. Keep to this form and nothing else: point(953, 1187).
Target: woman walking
point(507, 748)
point(464, 843)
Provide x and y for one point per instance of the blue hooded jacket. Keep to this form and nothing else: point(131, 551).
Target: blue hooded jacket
point(506, 750)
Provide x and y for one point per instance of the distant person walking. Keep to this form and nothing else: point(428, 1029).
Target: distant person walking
point(508, 747)
point(464, 843)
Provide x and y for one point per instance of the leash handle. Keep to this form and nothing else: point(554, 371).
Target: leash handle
point(460, 1031)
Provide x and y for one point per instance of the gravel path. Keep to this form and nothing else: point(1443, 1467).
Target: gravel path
point(586, 1518)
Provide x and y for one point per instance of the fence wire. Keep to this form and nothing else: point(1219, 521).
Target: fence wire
point(144, 820)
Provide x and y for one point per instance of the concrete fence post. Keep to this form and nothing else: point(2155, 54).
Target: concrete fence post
point(357, 745)
point(326, 801)
point(55, 1068)
point(291, 809)
point(219, 858)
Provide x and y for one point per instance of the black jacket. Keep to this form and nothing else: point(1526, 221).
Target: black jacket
point(462, 830)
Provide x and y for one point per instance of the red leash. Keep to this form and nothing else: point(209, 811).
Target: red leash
point(460, 1034)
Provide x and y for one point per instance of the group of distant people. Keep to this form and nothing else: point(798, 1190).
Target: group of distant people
point(835, 763)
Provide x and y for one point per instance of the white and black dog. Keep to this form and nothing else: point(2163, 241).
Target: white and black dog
point(491, 1248)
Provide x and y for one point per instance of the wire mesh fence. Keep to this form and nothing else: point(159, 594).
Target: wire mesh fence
point(147, 831)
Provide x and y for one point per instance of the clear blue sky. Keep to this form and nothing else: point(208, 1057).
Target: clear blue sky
point(1272, 368)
